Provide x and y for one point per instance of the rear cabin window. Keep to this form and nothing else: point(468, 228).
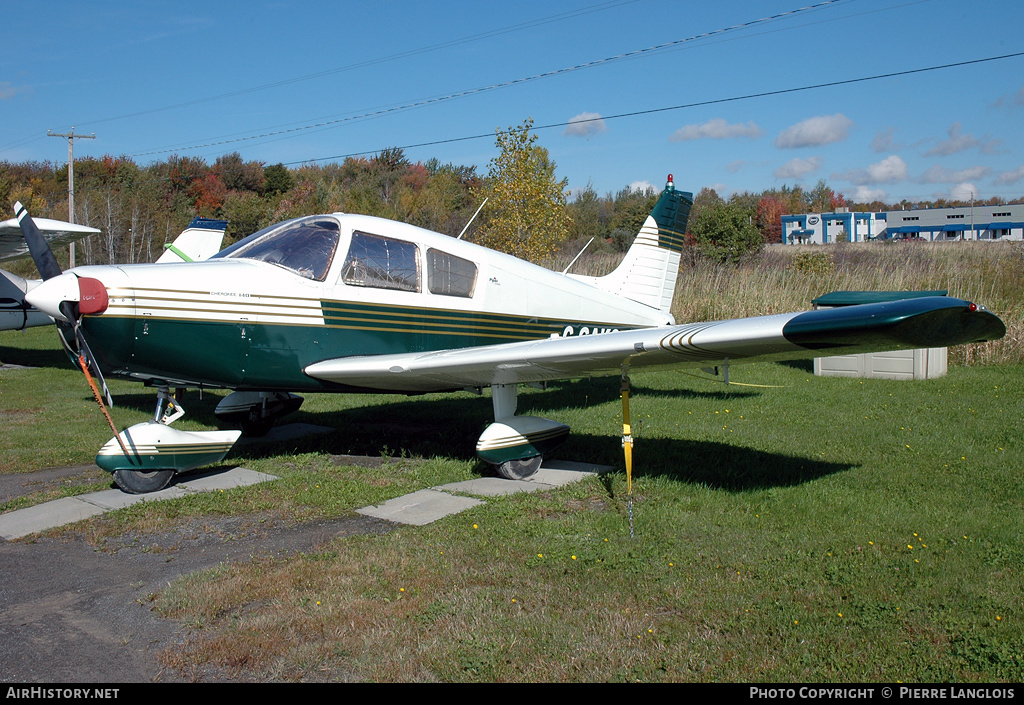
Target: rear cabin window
point(306, 246)
point(449, 275)
point(382, 263)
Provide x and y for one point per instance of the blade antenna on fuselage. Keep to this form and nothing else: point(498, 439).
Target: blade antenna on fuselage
point(472, 219)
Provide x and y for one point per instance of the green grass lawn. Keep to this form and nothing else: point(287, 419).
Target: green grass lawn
point(798, 529)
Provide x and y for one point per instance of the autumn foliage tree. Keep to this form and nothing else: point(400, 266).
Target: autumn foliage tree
point(770, 210)
point(526, 212)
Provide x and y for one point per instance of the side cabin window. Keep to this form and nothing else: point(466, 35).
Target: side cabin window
point(305, 245)
point(382, 263)
point(450, 275)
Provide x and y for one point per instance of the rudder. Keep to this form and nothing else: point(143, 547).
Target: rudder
point(648, 272)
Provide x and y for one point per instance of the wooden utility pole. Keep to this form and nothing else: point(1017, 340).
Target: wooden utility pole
point(71, 178)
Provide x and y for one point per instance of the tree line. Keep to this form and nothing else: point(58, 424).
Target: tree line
point(528, 211)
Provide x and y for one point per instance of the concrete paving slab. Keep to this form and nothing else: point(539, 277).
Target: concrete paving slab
point(554, 473)
point(49, 515)
point(420, 508)
point(22, 522)
point(575, 466)
point(493, 486)
point(430, 505)
point(221, 480)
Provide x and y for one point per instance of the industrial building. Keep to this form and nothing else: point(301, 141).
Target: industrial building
point(984, 223)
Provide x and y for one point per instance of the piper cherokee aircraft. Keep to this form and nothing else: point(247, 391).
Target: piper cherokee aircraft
point(353, 303)
point(200, 240)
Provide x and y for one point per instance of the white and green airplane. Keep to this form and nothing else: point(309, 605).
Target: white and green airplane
point(352, 303)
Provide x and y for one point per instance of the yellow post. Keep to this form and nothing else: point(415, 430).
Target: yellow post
point(627, 445)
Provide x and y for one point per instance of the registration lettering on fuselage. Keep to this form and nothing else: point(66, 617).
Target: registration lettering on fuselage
point(586, 330)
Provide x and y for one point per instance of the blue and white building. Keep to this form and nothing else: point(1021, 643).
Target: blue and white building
point(822, 228)
point(984, 223)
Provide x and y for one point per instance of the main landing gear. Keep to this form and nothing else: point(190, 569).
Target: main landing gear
point(515, 445)
point(256, 412)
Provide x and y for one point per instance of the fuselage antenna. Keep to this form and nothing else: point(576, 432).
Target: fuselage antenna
point(472, 219)
point(578, 256)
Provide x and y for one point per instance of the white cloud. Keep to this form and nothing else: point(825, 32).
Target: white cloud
point(797, 168)
point(888, 171)
point(941, 175)
point(642, 186)
point(815, 131)
point(964, 192)
point(733, 167)
point(959, 142)
point(585, 125)
point(1011, 177)
point(866, 194)
point(715, 129)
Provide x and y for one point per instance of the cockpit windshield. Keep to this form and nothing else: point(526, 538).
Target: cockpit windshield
point(304, 245)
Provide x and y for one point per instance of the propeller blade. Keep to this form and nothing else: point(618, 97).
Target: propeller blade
point(41, 253)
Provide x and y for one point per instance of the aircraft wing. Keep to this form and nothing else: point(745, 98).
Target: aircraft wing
point(56, 232)
point(913, 323)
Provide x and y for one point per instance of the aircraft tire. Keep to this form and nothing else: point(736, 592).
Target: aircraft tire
point(519, 469)
point(256, 427)
point(137, 482)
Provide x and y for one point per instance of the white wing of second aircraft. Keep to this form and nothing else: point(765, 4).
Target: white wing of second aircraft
point(56, 232)
point(912, 323)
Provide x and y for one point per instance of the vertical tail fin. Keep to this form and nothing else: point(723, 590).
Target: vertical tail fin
point(648, 272)
point(199, 241)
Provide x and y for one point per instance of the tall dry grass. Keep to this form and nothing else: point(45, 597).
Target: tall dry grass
point(786, 278)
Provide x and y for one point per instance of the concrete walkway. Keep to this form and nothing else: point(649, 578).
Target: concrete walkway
point(429, 505)
point(59, 512)
point(418, 508)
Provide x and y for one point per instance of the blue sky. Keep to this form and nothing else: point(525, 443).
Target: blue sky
point(291, 82)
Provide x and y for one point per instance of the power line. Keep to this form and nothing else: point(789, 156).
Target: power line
point(715, 101)
point(380, 60)
point(530, 24)
point(505, 84)
point(637, 113)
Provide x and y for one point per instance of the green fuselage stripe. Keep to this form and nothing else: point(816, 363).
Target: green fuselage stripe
point(217, 349)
